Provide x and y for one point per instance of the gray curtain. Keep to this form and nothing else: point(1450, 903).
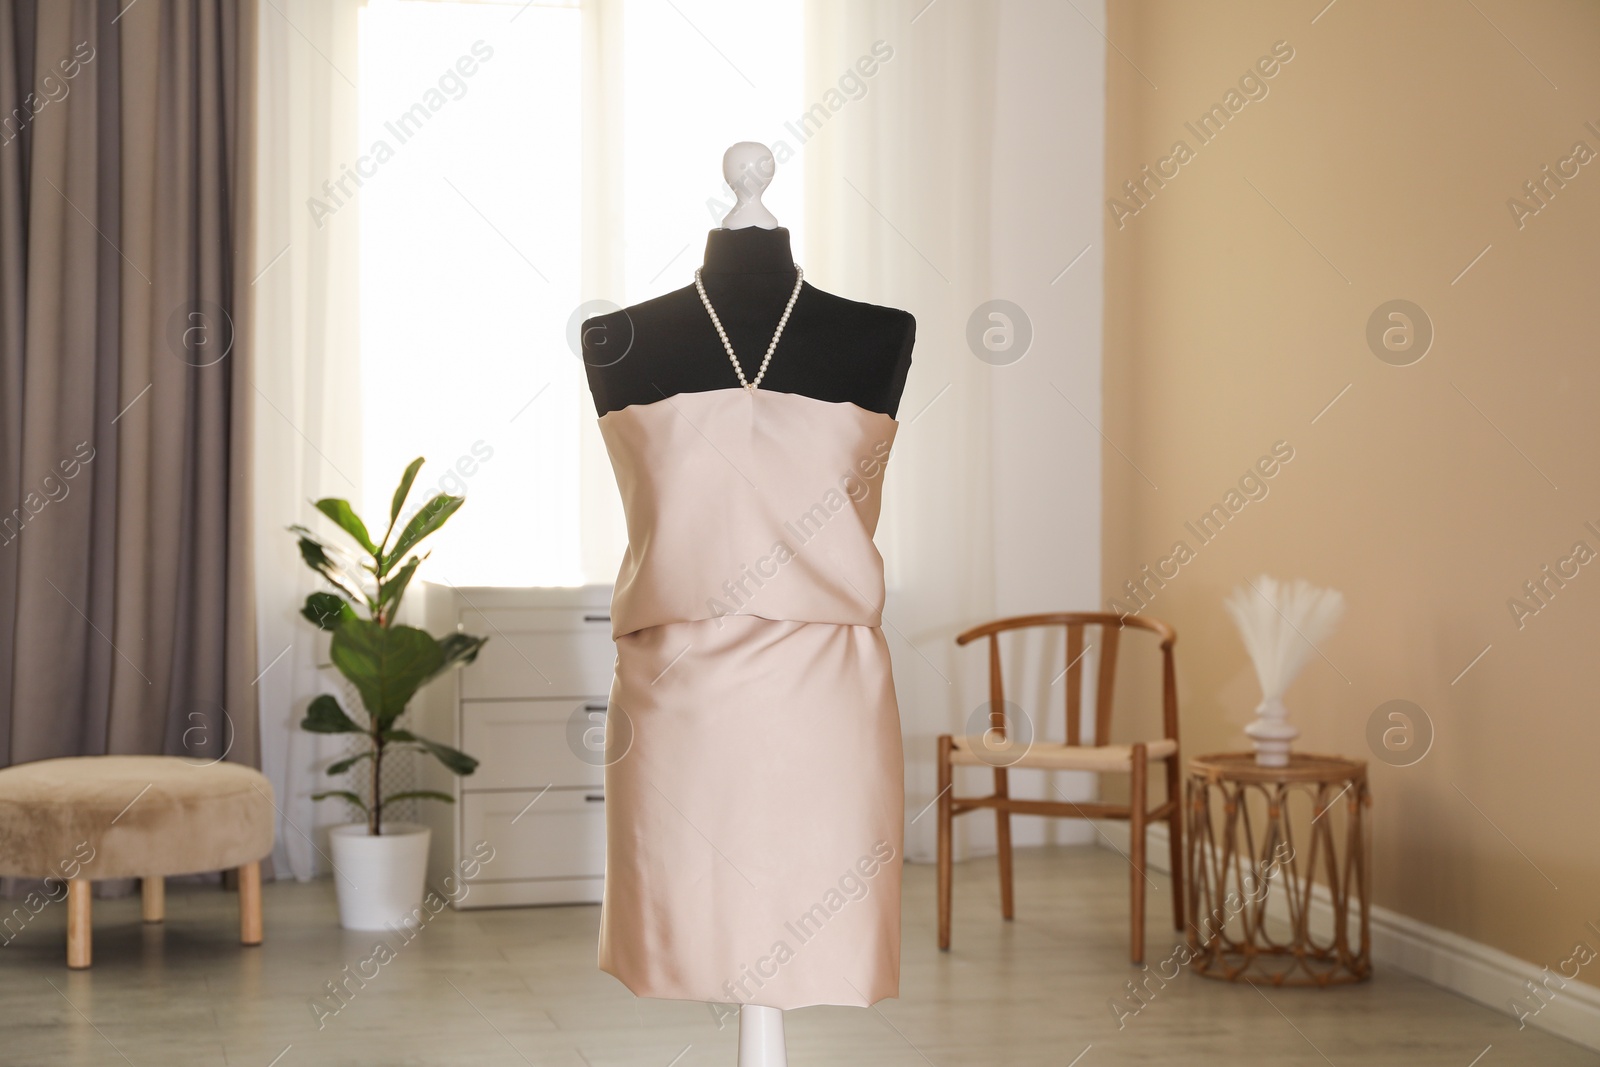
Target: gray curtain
point(126, 611)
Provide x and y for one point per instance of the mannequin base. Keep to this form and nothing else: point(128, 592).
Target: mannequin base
point(761, 1037)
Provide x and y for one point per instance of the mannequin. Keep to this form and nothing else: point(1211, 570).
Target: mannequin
point(833, 349)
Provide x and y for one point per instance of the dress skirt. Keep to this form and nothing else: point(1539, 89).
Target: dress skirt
point(755, 801)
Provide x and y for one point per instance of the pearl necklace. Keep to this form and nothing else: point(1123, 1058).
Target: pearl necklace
point(799, 276)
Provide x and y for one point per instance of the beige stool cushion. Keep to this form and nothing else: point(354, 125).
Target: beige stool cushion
point(1055, 756)
point(131, 816)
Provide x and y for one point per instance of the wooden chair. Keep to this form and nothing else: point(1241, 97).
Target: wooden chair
point(1099, 757)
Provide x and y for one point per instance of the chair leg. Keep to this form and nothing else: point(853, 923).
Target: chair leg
point(1137, 800)
point(1002, 833)
point(79, 923)
point(946, 817)
point(250, 904)
point(1175, 840)
point(153, 898)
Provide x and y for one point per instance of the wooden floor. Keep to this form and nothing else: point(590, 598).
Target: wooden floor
point(519, 986)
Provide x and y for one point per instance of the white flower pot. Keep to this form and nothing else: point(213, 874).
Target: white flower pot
point(380, 879)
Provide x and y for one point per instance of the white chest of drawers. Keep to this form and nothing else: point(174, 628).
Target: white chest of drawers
point(531, 709)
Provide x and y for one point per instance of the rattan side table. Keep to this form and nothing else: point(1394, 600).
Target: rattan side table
point(1243, 856)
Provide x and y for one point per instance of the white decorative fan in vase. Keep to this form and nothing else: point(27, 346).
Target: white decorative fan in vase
point(1282, 624)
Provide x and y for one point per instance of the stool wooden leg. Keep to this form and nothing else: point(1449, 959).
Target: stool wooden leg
point(1138, 795)
point(945, 817)
point(79, 920)
point(153, 898)
point(250, 904)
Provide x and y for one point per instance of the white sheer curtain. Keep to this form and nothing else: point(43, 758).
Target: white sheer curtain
point(897, 184)
point(308, 439)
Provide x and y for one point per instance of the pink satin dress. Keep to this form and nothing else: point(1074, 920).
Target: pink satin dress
point(755, 789)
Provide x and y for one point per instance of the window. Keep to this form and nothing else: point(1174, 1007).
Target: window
point(474, 252)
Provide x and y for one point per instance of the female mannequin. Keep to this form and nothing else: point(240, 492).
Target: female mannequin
point(831, 349)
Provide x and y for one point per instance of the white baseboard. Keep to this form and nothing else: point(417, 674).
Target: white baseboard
point(1448, 960)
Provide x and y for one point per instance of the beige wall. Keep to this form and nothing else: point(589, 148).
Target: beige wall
point(1378, 165)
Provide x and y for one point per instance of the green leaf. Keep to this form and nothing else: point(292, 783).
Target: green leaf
point(459, 650)
point(418, 794)
point(325, 716)
point(343, 794)
point(318, 559)
point(404, 489)
point(345, 764)
point(327, 610)
point(457, 761)
point(345, 560)
point(390, 592)
point(434, 514)
point(347, 520)
point(386, 664)
point(395, 736)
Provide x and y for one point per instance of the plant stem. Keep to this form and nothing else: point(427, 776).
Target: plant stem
point(374, 819)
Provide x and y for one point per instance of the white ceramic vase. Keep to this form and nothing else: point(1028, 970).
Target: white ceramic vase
point(1272, 733)
point(380, 879)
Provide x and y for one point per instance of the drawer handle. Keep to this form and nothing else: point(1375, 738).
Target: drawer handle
point(597, 707)
point(597, 797)
point(597, 618)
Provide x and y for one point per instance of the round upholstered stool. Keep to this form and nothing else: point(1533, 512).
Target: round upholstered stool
point(88, 818)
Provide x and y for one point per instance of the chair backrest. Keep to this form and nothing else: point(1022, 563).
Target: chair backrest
point(1110, 625)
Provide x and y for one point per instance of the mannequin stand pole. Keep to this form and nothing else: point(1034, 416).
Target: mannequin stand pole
point(761, 1037)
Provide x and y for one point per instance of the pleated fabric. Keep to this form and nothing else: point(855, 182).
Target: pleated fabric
point(755, 781)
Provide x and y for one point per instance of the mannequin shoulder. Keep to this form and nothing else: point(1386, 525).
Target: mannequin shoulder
point(881, 324)
point(602, 336)
point(635, 354)
point(870, 345)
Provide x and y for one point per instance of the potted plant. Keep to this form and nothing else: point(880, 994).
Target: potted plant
point(380, 867)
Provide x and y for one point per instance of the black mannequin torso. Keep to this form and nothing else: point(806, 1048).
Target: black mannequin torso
point(833, 349)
